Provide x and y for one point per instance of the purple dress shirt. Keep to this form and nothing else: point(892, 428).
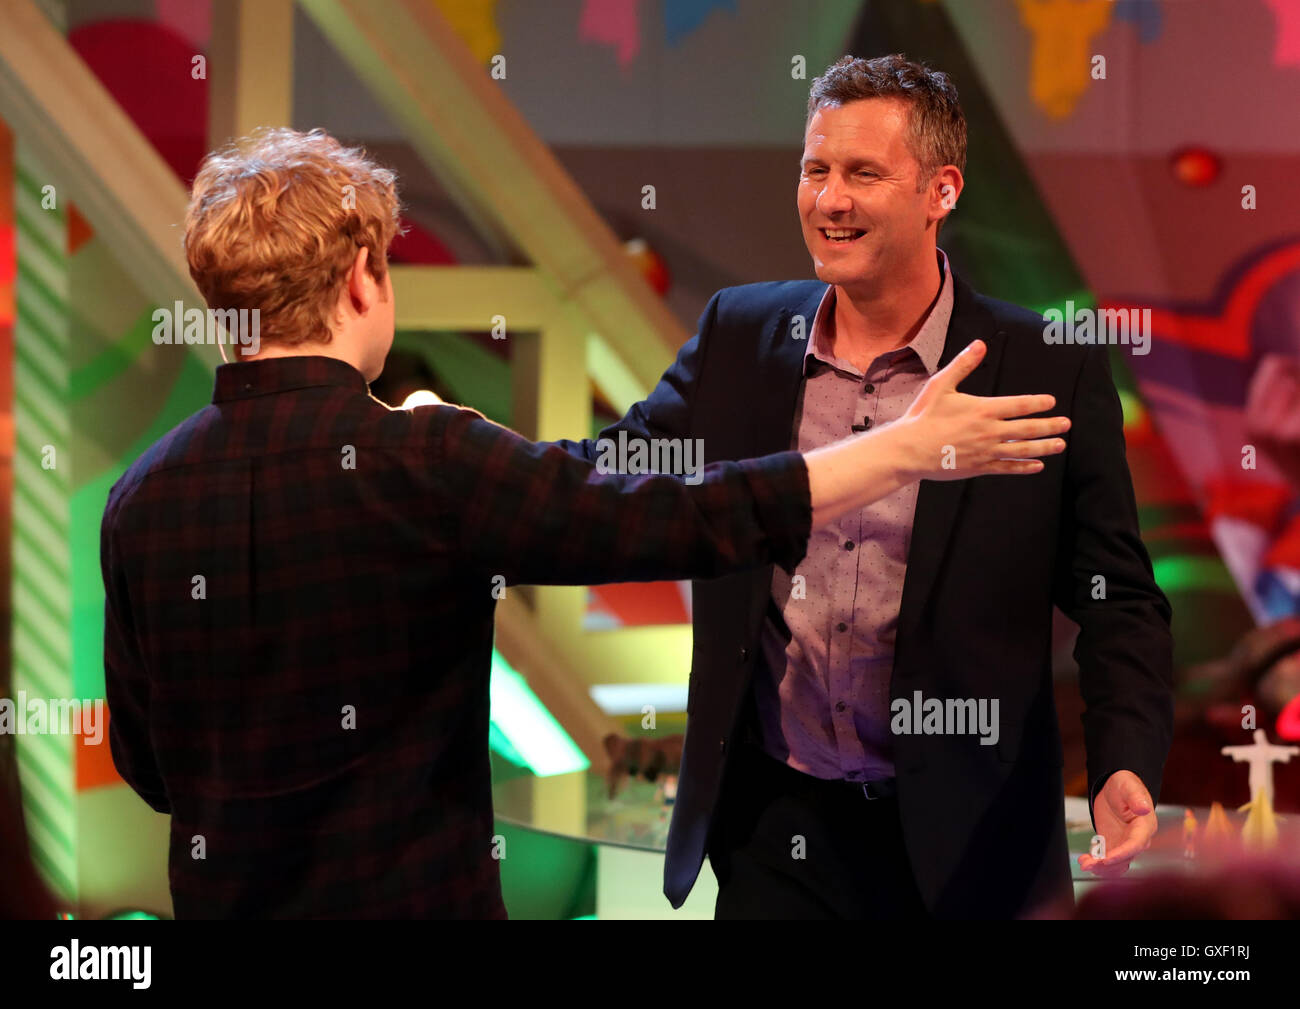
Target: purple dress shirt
point(821, 685)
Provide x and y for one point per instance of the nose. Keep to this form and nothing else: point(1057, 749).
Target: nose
point(833, 198)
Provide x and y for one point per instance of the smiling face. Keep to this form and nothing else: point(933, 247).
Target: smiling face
point(863, 219)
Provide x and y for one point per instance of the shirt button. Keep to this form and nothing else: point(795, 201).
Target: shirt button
point(868, 388)
point(848, 544)
point(839, 705)
point(722, 746)
point(744, 654)
point(841, 626)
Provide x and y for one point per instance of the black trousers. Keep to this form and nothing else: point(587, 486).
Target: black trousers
point(785, 845)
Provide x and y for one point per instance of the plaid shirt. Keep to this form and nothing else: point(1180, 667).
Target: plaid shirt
point(299, 603)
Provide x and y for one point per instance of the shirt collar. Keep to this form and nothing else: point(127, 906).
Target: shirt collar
point(927, 344)
point(243, 379)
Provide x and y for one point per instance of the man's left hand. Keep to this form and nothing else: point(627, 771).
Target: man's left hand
point(1125, 817)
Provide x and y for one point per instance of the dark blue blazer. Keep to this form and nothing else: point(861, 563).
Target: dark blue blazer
point(984, 825)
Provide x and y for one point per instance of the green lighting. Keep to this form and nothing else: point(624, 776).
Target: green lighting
point(118, 916)
point(497, 741)
point(1070, 303)
point(1184, 573)
point(1131, 405)
point(523, 724)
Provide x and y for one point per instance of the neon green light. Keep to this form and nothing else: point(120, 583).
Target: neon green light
point(1132, 407)
point(497, 741)
point(539, 741)
point(1074, 301)
point(1183, 572)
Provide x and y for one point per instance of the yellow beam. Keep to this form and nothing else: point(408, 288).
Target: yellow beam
point(250, 68)
point(471, 297)
point(521, 642)
point(502, 175)
point(95, 155)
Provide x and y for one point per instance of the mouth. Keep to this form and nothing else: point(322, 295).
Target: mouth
point(841, 236)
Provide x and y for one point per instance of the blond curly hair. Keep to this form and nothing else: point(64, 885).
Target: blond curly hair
point(275, 221)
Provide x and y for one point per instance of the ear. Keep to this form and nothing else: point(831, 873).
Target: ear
point(945, 188)
point(359, 280)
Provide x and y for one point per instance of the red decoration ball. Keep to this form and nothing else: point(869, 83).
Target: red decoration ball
point(1288, 722)
point(650, 263)
point(1195, 166)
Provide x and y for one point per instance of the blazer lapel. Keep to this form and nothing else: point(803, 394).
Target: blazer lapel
point(771, 408)
point(938, 501)
point(779, 372)
point(777, 380)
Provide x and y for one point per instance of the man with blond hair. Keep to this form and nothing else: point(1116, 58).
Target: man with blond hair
point(300, 582)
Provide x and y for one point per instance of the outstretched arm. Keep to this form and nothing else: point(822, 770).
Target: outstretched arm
point(536, 514)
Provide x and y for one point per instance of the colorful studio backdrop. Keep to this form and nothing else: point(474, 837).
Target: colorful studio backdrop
point(1165, 183)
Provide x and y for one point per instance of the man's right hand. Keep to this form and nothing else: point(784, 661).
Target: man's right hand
point(945, 435)
point(955, 435)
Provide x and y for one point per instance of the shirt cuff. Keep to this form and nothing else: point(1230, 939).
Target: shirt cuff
point(783, 503)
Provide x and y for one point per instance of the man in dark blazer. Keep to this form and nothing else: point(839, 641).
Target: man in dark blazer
point(809, 775)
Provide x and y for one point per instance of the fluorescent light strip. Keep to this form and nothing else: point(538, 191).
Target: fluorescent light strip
point(525, 723)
